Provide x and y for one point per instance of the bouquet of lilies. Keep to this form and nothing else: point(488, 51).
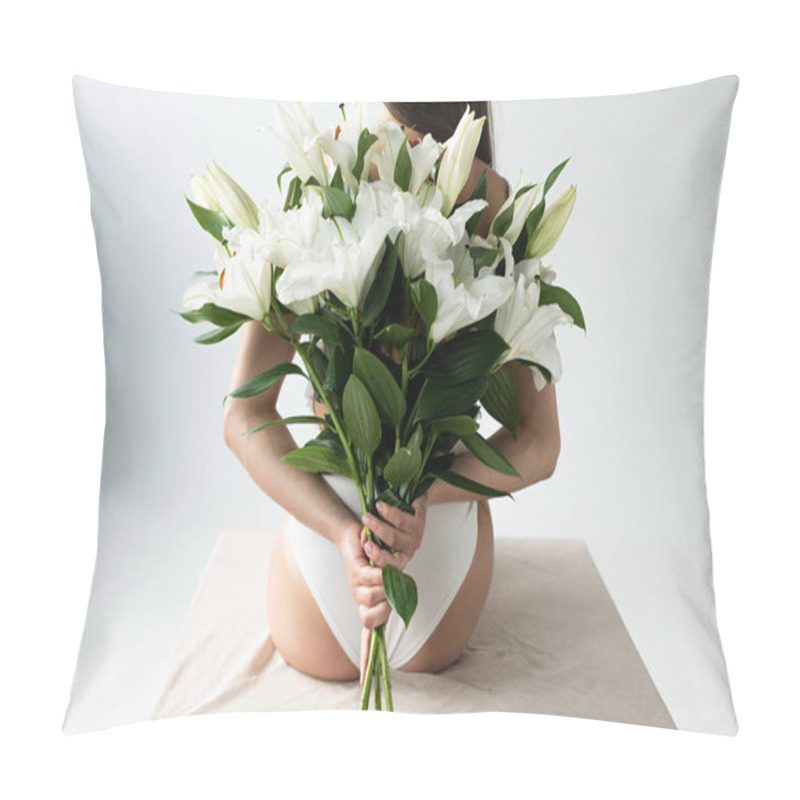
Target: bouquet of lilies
point(401, 315)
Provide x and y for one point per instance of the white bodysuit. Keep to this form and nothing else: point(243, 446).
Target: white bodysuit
point(439, 567)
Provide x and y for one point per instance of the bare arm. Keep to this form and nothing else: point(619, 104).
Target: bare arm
point(306, 496)
point(534, 453)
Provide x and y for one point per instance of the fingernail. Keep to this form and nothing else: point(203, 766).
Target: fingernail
point(370, 547)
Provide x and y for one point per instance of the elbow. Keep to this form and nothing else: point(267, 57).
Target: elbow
point(543, 465)
point(233, 428)
point(551, 461)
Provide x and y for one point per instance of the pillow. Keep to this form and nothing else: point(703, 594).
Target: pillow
point(601, 603)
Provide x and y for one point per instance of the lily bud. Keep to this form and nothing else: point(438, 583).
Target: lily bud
point(459, 154)
point(551, 225)
point(233, 201)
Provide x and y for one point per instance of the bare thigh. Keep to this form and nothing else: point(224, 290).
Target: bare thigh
point(305, 641)
point(448, 641)
point(297, 627)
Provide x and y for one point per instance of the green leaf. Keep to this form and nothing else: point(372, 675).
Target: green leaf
point(503, 221)
point(263, 381)
point(401, 592)
point(378, 293)
point(483, 256)
point(396, 335)
point(416, 437)
point(294, 194)
point(287, 167)
point(365, 140)
point(317, 325)
point(467, 356)
point(437, 400)
point(501, 400)
point(286, 421)
point(336, 202)
point(440, 463)
point(454, 479)
point(534, 218)
point(462, 425)
point(337, 181)
point(551, 178)
point(218, 334)
point(337, 372)
point(423, 295)
point(216, 315)
point(402, 167)
point(569, 305)
point(422, 486)
point(314, 458)
point(487, 453)
point(361, 416)
point(211, 221)
point(403, 466)
point(381, 385)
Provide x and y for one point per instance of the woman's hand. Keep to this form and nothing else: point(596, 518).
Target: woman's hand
point(366, 584)
point(400, 530)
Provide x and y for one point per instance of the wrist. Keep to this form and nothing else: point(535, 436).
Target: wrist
point(345, 530)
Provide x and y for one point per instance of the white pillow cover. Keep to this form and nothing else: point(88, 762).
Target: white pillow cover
point(630, 480)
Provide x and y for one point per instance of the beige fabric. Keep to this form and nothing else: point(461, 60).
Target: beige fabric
point(549, 641)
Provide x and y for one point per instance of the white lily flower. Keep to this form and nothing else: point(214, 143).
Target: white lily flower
point(425, 229)
point(459, 153)
point(528, 327)
point(219, 192)
point(531, 267)
point(301, 142)
point(551, 225)
point(244, 282)
point(344, 263)
point(423, 154)
point(463, 299)
point(340, 145)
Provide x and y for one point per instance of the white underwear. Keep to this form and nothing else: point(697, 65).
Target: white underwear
point(439, 567)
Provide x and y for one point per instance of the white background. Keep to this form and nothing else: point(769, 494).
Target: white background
point(53, 403)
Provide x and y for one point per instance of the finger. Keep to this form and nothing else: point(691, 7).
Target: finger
point(366, 633)
point(369, 595)
point(413, 524)
point(392, 514)
point(390, 535)
point(382, 557)
point(369, 576)
point(377, 615)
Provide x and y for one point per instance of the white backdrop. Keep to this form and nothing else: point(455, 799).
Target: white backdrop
point(53, 356)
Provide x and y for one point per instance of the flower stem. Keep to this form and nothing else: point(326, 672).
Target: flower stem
point(384, 663)
point(378, 683)
point(373, 649)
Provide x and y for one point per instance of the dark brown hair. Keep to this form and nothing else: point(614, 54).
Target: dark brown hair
point(441, 119)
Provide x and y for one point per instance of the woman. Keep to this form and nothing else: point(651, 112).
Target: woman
point(446, 545)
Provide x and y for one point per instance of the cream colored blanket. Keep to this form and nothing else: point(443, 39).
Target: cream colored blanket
point(549, 641)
